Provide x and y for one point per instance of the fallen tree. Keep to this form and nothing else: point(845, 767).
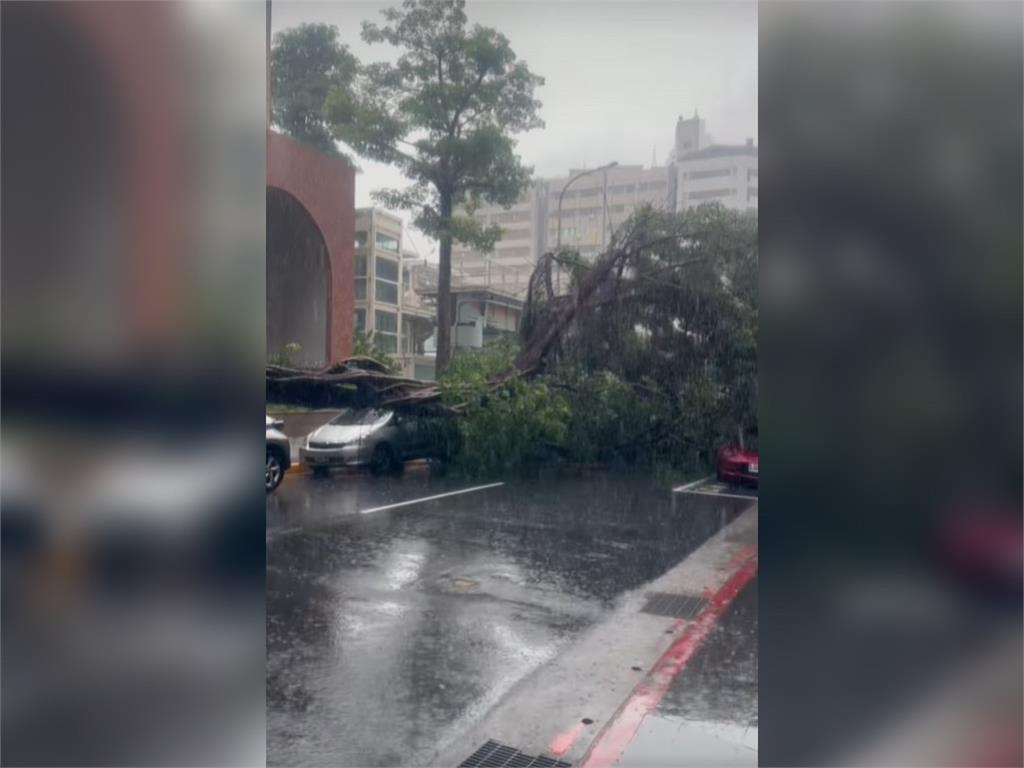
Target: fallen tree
point(669, 308)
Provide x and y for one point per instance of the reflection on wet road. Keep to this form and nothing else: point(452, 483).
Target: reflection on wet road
point(389, 633)
point(719, 685)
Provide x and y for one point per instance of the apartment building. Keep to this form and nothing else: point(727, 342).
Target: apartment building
point(509, 265)
point(419, 316)
point(595, 205)
point(708, 172)
point(378, 270)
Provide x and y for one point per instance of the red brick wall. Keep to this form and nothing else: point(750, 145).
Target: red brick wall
point(326, 188)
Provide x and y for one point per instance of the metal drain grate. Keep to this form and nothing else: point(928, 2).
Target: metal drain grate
point(676, 606)
point(495, 755)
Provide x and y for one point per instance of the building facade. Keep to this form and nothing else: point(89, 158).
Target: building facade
point(726, 174)
point(508, 266)
point(419, 317)
point(310, 220)
point(378, 277)
point(594, 206)
point(707, 172)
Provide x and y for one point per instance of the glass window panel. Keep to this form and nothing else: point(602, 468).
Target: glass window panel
point(387, 292)
point(387, 270)
point(387, 242)
point(385, 322)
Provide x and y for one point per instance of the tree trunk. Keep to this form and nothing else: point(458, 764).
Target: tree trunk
point(444, 290)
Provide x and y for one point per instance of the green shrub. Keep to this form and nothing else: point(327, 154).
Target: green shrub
point(516, 425)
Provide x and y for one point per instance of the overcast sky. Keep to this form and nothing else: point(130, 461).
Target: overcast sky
point(617, 74)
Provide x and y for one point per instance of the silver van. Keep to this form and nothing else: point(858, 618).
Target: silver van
point(279, 453)
point(380, 439)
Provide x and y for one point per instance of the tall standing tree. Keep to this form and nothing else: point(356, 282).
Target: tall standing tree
point(306, 62)
point(445, 114)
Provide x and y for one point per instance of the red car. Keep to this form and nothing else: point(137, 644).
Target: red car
point(737, 465)
point(983, 547)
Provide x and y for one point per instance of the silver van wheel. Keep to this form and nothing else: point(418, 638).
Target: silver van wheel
point(274, 471)
point(383, 459)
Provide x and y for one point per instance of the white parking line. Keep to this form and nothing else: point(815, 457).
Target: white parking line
point(429, 498)
point(690, 485)
point(719, 495)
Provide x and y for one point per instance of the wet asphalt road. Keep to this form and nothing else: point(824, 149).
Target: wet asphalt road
point(389, 633)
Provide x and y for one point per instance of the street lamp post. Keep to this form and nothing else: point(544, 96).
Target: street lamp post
point(561, 196)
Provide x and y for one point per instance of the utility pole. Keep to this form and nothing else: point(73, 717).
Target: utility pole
point(561, 196)
point(268, 64)
point(604, 211)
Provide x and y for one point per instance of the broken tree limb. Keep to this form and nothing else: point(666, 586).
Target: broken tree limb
point(547, 319)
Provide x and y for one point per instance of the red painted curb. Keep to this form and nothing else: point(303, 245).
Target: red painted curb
point(563, 741)
point(616, 736)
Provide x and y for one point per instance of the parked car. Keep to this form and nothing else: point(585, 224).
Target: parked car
point(982, 548)
point(279, 453)
point(380, 439)
point(737, 464)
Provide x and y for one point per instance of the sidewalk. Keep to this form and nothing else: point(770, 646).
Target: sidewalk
point(622, 694)
point(709, 713)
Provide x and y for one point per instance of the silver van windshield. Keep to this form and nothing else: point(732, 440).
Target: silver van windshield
point(361, 417)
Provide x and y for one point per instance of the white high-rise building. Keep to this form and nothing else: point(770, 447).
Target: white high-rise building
point(708, 172)
point(595, 205)
point(509, 265)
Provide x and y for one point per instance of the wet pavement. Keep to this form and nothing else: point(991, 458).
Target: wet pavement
point(709, 714)
point(391, 631)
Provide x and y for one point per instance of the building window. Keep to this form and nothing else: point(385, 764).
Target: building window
point(386, 283)
point(360, 265)
point(710, 194)
point(515, 234)
point(387, 242)
point(712, 174)
point(510, 217)
point(751, 173)
point(751, 193)
point(361, 320)
point(360, 239)
point(386, 292)
point(360, 289)
point(385, 331)
point(517, 253)
point(387, 270)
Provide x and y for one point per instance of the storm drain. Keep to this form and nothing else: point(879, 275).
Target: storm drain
point(495, 755)
point(676, 606)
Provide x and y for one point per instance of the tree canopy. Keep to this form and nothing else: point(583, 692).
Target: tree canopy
point(306, 62)
point(445, 114)
point(650, 356)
